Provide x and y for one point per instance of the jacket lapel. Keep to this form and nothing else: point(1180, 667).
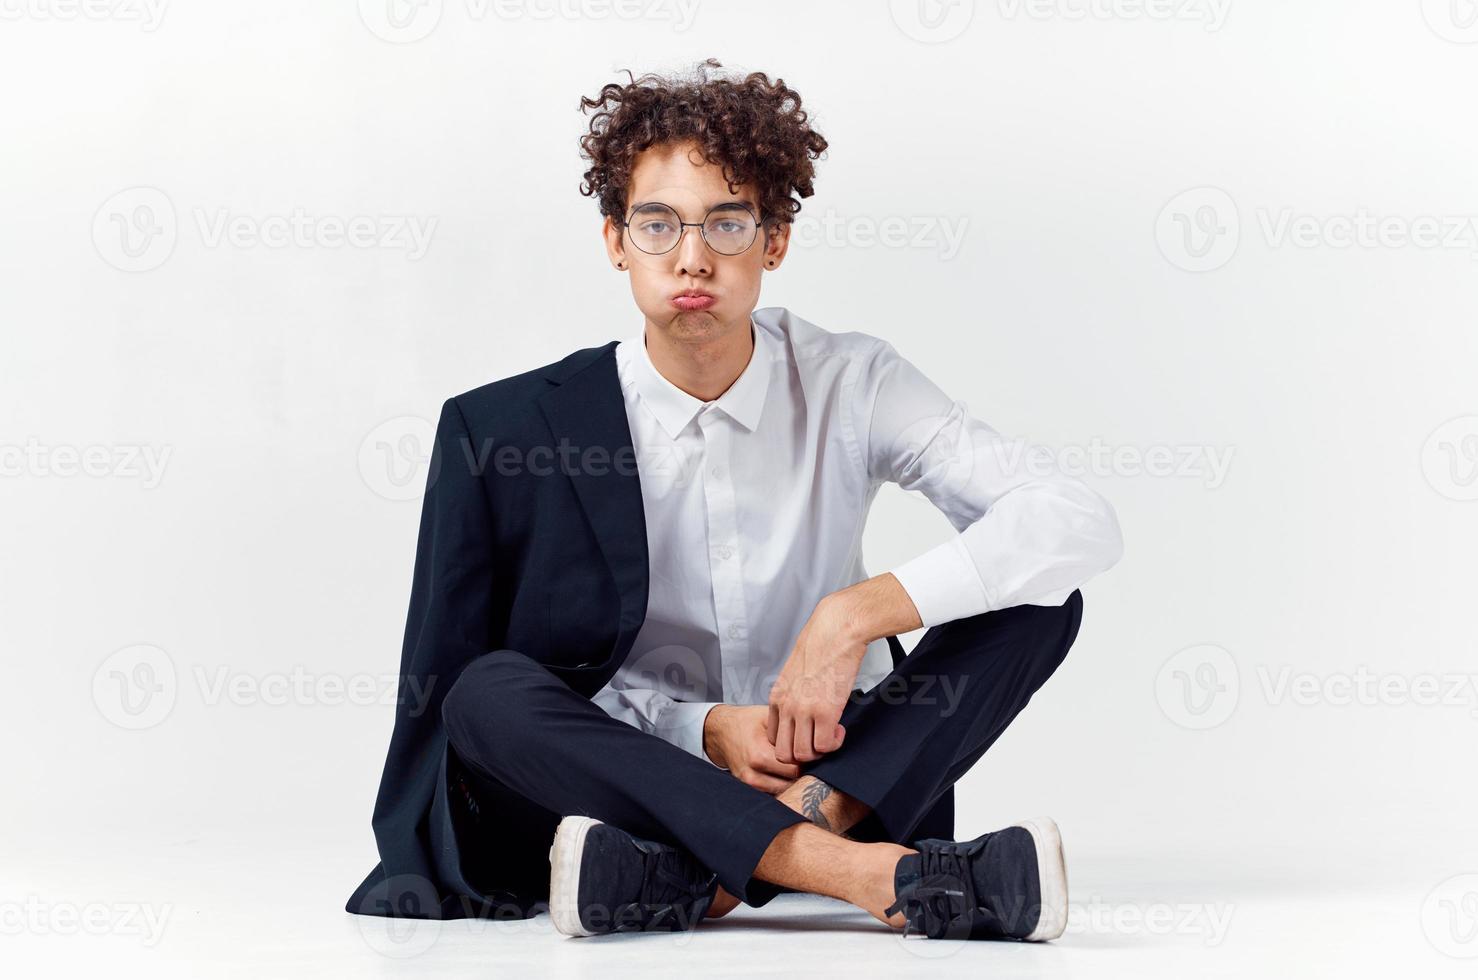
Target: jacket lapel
point(586, 412)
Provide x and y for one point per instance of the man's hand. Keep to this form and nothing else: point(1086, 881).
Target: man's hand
point(734, 738)
point(807, 698)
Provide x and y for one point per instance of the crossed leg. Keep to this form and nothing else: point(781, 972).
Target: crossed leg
point(909, 738)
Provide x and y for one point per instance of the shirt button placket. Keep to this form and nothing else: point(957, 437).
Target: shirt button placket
point(724, 558)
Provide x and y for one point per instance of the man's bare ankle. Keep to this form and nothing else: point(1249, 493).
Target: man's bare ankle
point(875, 889)
point(723, 903)
point(824, 805)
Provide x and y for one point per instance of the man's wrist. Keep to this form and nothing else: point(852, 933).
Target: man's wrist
point(874, 608)
point(711, 724)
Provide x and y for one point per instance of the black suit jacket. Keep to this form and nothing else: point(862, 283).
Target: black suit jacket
point(532, 538)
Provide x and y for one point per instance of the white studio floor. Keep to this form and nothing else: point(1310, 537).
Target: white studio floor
point(226, 907)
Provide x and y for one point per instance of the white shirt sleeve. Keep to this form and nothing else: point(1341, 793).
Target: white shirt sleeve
point(678, 722)
point(1028, 532)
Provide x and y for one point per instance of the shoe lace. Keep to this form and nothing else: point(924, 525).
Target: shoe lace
point(675, 891)
point(942, 903)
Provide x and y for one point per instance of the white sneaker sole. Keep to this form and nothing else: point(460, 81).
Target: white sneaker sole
point(564, 874)
point(1052, 878)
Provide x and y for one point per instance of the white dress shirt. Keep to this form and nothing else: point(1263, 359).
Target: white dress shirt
point(755, 504)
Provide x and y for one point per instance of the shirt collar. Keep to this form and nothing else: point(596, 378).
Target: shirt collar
point(744, 401)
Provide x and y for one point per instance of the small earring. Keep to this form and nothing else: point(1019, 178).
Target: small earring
point(620, 265)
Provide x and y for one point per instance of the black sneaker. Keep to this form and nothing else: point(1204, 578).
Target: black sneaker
point(1011, 884)
point(604, 880)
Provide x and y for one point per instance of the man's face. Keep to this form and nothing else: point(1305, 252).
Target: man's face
point(675, 175)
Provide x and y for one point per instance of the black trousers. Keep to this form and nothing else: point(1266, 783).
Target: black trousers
point(534, 751)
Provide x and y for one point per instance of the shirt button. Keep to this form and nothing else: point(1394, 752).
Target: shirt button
point(718, 472)
point(726, 552)
point(734, 631)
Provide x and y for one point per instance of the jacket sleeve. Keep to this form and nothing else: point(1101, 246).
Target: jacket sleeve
point(448, 624)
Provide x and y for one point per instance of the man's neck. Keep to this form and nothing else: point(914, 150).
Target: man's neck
point(704, 370)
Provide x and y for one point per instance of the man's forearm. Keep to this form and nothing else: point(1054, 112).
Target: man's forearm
point(872, 609)
point(807, 699)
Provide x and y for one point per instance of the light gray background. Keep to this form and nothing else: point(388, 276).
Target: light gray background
point(1149, 234)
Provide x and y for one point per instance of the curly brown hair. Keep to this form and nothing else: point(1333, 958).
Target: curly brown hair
point(754, 128)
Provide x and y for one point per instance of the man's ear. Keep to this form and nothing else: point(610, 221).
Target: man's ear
point(615, 242)
point(777, 244)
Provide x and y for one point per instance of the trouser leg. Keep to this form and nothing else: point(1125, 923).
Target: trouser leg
point(916, 732)
point(511, 720)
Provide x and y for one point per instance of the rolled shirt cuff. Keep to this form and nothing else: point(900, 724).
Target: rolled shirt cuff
point(944, 584)
point(682, 725)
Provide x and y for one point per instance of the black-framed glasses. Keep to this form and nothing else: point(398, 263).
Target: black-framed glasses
point(728, 228)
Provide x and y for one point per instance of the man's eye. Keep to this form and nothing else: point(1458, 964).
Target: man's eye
point(656, 227)
point(728, 226)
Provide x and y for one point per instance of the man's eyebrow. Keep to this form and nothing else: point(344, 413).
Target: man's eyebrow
point(736, 201)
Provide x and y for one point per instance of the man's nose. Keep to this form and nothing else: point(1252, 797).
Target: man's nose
point(692, 255)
